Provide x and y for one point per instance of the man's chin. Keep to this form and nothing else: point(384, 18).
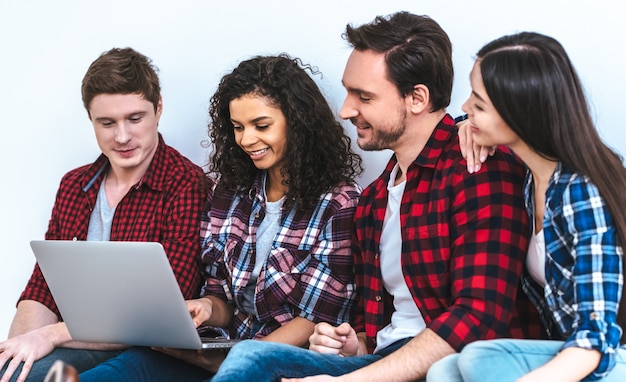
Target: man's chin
point(369, 146)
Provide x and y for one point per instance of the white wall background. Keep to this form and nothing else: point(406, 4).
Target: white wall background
point(47, 46)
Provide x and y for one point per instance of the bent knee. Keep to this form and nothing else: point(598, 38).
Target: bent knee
point(445, 370)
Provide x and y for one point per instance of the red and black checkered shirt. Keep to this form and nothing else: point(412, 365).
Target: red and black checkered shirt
point(164, 206)
point(464, 241)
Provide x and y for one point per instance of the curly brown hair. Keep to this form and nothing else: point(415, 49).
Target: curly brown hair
point(319, 154)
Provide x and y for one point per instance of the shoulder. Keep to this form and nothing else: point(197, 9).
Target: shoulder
point(178, 171)
point(178, 161)
point(575, 186)
point(339, 203)
point(574, 198)
point(343, 197)
point(83, 174)
point(345, 193)
point(505, 169)
point(503, 166)
point(576, 193)
point(571, 190)
point(76, 173)
point(380, 182)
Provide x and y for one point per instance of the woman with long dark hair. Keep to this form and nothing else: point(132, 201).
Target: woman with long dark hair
point(527, 95)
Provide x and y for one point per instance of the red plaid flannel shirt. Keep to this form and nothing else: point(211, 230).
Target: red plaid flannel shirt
point(165, 207)
point(465, 238)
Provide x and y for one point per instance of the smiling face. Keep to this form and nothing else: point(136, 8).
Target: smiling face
point(373, 103)
point(126, 130)
point(260, 130)
point(488, 127)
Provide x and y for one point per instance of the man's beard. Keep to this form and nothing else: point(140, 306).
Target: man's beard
point(383, 139)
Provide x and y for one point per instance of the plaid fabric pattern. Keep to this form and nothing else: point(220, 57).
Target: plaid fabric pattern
point(584, 263)
point(308, 272)
point(165, 207)
point(464, 241)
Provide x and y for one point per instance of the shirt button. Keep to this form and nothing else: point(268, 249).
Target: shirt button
point(378, 298)
point(594, 316)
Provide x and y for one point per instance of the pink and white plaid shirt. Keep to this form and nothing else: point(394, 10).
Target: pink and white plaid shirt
point(308, 273)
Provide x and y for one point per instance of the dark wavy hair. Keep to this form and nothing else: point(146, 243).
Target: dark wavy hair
point(318, 156)
point(417, 51)
point(534, 87)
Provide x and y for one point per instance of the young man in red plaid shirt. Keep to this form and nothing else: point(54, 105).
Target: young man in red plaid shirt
point(438, 252)
point(138, 189)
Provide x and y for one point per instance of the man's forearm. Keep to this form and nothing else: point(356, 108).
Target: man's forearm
point(34, 316)
point(31, 315)
point(410, 362)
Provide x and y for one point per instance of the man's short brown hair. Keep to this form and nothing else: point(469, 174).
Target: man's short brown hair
point(121, 71)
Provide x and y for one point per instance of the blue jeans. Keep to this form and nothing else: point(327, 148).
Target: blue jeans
point(81, 359)
point(261, 361)
point(143, 364)
point(505, 360)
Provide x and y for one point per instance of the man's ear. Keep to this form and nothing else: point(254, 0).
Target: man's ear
point(159, 109)
point(419, 99)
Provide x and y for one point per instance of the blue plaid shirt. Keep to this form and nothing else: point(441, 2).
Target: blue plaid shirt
point(583, 268)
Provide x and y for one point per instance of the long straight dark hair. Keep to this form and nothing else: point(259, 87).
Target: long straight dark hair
point(536, 90)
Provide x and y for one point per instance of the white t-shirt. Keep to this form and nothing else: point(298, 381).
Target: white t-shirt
point(536, 258)
point(265, 235)
point(406, 320)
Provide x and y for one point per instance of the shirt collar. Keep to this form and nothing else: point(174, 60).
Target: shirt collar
point(436, 144)
point(155, 176)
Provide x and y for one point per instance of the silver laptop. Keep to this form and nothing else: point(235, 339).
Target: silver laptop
point(120, 292)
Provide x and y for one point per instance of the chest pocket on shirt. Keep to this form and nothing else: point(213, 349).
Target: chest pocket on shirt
point(288, 260)
point(282, 282)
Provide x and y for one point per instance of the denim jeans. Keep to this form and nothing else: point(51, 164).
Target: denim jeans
point(505, 360)
point(144, 364)
point(261, 361)
point(81, 359)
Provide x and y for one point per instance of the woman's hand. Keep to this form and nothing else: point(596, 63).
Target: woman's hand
point(201, 310)
point(474, 154)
